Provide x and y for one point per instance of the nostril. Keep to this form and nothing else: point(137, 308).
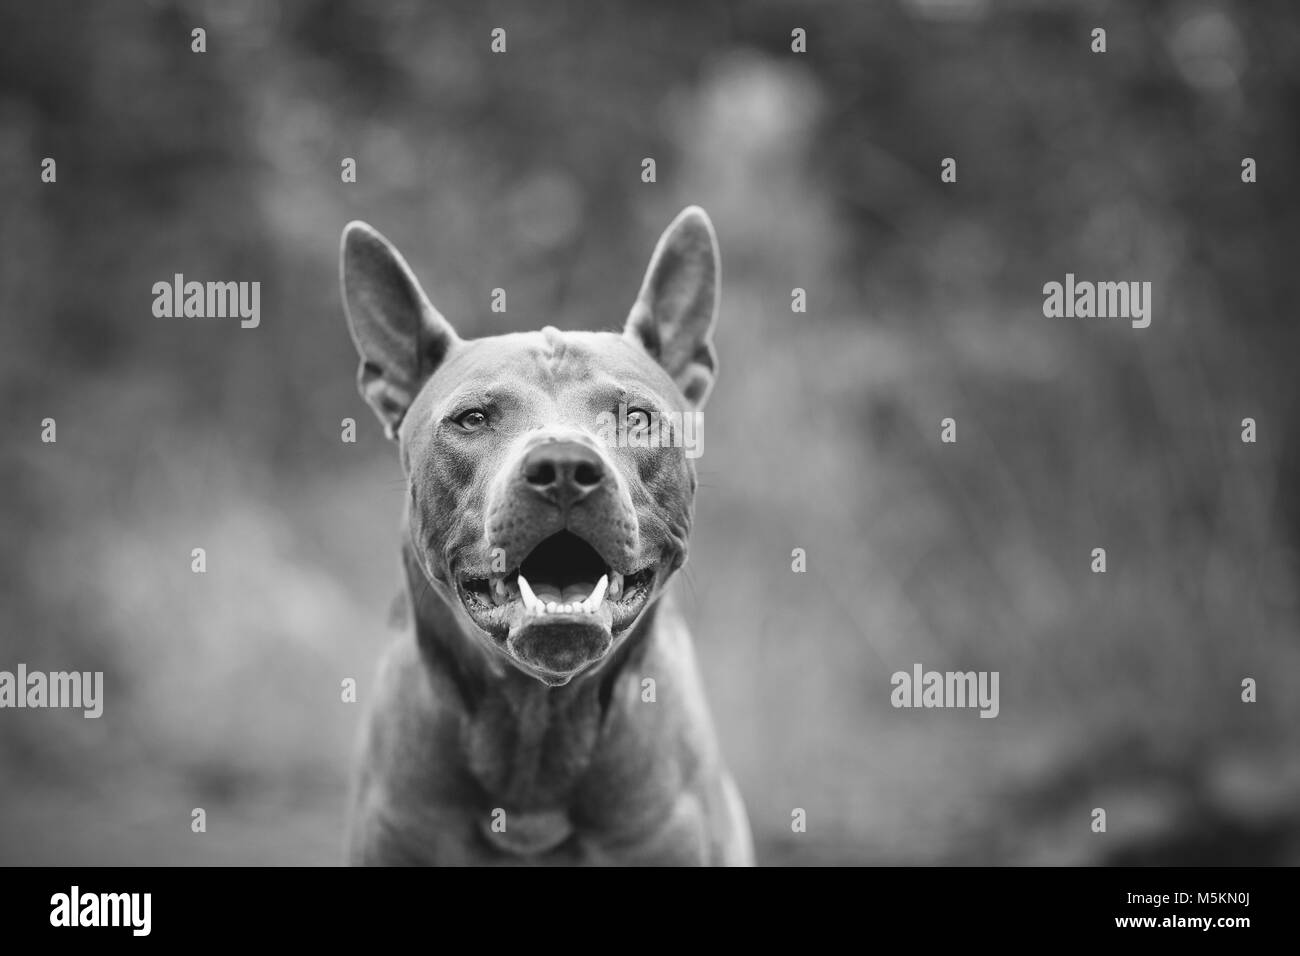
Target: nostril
point(588, 474)
point(563, 471)
point(540, 473)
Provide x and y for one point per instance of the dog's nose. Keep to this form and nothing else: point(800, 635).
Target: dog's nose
point(563, 471)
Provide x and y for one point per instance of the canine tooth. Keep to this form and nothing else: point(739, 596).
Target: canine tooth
point(551, 607)
point(530, 599)
point(597, 594)
point(499, 591)
point(616, 587)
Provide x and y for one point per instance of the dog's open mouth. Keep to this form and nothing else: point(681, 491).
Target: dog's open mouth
point(562, 580)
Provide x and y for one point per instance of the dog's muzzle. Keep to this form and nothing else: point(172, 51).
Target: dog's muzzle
point(564, 544)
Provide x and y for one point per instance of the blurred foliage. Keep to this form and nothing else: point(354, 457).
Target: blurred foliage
point(820, 171)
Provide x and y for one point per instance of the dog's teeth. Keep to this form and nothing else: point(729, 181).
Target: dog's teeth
point(597, 595)
point(499, 592)
point(531, 604)
point(616, 586)
point(550, 602)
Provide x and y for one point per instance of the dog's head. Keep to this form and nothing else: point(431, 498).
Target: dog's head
point(550, 474)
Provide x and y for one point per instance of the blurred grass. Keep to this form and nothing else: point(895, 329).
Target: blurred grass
point(924, 302)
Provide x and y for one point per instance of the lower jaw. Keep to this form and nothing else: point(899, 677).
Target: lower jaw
point(500, 620)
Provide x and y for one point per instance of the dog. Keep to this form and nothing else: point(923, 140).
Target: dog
point(544, 705)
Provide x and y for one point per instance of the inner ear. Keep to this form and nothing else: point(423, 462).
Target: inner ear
point(673, 316)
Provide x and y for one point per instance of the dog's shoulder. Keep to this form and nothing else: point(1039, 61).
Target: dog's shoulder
point(410, 703)
point(412, 788)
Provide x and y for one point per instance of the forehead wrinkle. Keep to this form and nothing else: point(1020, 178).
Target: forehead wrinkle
point(554, 342)
point(554, 374)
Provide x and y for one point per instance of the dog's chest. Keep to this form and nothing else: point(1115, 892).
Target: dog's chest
point(571, 783)
point(528, 757)
point(531, 754)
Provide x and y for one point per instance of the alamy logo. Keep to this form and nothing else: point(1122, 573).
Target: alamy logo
point(1102, 300)
point(635, 427)
point(946, 689)
point(208, 300)
point(55, 689)
point(75, 908)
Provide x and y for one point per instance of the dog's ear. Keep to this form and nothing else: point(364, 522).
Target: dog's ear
point(401, 337)
point(674, 311)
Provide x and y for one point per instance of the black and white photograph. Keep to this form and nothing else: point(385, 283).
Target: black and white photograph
point(782, 434)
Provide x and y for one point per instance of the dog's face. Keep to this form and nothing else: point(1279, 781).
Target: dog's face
point(550, 474)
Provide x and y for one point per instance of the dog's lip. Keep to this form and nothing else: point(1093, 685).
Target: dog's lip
point(463, 575)
point(508, 608)
point(486, 573)
point(501, 620)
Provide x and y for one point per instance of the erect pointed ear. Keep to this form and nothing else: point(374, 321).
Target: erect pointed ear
point(400, 336)
point(674, 311)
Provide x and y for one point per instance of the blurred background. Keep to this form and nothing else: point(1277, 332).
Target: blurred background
point(820, 171)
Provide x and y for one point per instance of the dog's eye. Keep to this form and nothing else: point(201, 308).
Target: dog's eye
point(472, 420)
point(638, 419)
